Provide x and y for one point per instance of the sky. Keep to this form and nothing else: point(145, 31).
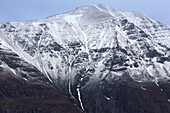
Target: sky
point(22, 10)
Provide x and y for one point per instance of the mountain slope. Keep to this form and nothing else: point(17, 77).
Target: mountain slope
point(99, 53)
point(25, 89)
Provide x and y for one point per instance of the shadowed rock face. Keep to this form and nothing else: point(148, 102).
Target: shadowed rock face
point(18, 96)
point(124, 97)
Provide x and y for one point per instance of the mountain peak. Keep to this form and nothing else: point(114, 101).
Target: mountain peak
point(88, 53)
point(93, 13)
point(100, 7)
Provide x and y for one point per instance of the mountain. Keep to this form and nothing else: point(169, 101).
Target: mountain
point(94, 59)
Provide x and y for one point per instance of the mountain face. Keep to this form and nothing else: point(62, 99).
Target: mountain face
point(94, 59)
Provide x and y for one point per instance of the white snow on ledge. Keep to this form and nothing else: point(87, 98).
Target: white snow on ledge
point(143, 88)
point(169, 100)
point(72, 18)
point(107, 98)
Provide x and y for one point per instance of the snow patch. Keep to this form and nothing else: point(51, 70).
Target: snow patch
point(79, 98)
point(169, 100)
point(72, 18)
point(143, 88)
point(107, 98)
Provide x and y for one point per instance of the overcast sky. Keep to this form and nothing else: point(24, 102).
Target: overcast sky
point(21, 10)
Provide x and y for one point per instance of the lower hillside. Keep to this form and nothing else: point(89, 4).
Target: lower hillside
point(18, 96)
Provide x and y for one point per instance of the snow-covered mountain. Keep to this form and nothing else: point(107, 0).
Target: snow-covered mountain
point(90, 49)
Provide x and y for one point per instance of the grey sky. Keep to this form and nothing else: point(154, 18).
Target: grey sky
point(21, 10)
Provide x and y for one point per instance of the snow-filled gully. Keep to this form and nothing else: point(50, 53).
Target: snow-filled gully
point(72, 20)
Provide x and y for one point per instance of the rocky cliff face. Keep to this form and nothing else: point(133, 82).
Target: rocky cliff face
point(101, 59)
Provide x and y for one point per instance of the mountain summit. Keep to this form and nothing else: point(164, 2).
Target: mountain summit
point(103, 60)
